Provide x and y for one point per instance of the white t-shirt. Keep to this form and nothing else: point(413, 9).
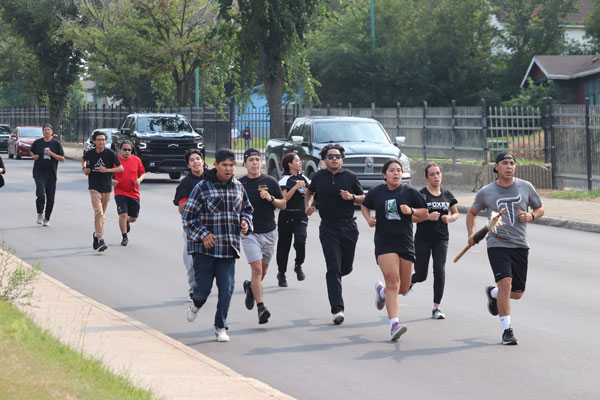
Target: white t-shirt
point(235, 133)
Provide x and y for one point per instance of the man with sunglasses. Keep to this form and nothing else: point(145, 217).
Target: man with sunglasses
point(338, 190)
point(127, 188)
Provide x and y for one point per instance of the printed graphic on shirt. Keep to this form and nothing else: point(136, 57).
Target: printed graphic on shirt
point(391, 209)
point(510, 204)
point(98, 164)
point(263, 187)
point(438, 205)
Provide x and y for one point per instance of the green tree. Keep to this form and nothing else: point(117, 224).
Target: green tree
point(532, 95)
point(592, 25)
point(37, 22)
point(428, 50)
point(529, 28)
point(185, 37)
point(271, 34)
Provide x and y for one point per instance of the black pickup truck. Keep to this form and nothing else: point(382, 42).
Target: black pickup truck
point(366, 142)
point(159, 140)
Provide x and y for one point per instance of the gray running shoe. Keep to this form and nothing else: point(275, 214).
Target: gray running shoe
point(492, 302)
point(436, 313)
point(397, 330)
point(40, 219)
point(508, 338)
point(379, 301)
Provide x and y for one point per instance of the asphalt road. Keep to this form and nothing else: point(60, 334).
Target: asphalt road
point(300, 351)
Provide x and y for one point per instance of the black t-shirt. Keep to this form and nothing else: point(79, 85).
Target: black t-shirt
point(432, 230)
point(393, 230)
point(263, 216)
point(100, 181)
point(46, 164)
point(296, 202)
point(185, 187)
point(327, 186)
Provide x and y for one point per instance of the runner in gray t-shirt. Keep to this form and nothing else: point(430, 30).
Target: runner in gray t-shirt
point(508, 249)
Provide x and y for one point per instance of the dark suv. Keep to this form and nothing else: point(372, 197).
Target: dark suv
point(160, 140)
point(5, 132)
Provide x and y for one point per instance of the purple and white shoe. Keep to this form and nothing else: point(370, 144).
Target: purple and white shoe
point(397, 330)
point(379, 300)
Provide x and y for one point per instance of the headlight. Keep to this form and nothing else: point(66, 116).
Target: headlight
point(23, 144)
point(405, 162)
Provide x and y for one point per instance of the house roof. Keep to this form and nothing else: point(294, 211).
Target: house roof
point(579, 17)
point(565, 67)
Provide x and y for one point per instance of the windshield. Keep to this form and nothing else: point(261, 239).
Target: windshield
point(163, 124)
point(338, 131)
point(4, 130)
point(31, 132)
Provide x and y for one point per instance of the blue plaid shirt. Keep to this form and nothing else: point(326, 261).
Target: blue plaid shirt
point(217, 208)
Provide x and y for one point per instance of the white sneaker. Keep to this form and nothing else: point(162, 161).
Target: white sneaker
point(436, 313)
point(45, 222)
point(221, 334)
point(192, 312)
point(338, 318)
point(40, 219)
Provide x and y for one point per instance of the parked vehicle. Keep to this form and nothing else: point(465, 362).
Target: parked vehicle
point(366, 142)
point(89, 144)
point(5, 132)
point(160, 140)
point(21, 140)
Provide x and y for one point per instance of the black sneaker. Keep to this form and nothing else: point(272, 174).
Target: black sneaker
point(124, 241)
point(299, 273)
point(249, 295)
point(508, 338)
point(492, 302)
point(281, 281)
point(128, 227)
point(263, 316)
point(101, 245)
point(95, 243)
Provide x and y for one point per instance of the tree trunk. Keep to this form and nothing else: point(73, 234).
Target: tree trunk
point(273, 81)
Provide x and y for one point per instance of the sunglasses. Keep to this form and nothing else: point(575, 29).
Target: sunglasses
point(332, 156)
point(125, 149)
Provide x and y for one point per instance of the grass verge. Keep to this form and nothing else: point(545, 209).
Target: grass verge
point(575, 195)
point(34, 365)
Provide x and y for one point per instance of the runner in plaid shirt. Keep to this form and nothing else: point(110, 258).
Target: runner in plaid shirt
point(216, 212)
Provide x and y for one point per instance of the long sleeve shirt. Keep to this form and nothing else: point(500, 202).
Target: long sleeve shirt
point(218, 208)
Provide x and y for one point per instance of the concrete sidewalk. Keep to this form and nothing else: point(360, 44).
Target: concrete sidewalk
point(148, 358)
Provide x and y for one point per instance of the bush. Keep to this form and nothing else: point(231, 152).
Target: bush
point(16, 278)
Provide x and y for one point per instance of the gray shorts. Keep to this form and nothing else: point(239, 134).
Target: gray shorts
point(259, 246)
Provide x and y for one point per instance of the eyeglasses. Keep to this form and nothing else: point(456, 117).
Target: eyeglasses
point(125, 149)
point(332, 156)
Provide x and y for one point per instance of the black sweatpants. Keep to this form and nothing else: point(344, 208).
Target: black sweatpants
point(291, 225)
point(45, 189)
point(438, 250)
point(339, 243)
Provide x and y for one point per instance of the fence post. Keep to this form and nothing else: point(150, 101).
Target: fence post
point(231, 121)
point(349, 109)
point(552, 141)
point(424, 131)
point(328, 109)
point(453, 131)
point(397, 120)
point(588, 143)
point(372, 110)
point(545, 127)
point(484, 131)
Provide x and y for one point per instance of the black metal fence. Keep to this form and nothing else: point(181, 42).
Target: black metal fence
point(565, 136)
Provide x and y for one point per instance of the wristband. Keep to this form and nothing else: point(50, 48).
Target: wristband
point(353, 197)
point(532, 216)
point(412, 211)
point(272, 199)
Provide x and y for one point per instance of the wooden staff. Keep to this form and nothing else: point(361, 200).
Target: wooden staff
point(480, 234)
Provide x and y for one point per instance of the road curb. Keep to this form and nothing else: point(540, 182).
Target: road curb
point(556, 222)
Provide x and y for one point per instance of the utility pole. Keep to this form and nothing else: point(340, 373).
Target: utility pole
point(373, 43)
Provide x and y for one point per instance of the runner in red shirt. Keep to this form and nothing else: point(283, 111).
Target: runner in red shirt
point(127, 188)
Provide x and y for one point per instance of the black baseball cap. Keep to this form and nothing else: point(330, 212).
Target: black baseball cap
point(251, 152)
point(505, 155)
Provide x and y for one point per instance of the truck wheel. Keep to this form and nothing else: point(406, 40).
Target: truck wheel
point(175, 175)
point(273, 171)
point(310, 174)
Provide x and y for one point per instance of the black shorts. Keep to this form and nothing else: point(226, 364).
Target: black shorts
point(402, 254)
point(128, 205)
point(510, 263)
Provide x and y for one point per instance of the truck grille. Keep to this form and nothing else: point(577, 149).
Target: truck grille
point(365, 164)
point(171, 146)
